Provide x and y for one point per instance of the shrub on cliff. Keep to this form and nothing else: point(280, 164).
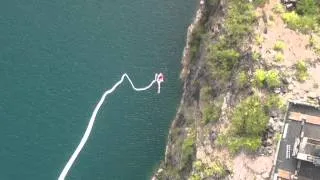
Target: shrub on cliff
point(269, 78)
point(249, 118)
point(236, 143)
point(188, 147)
point(242, 79)
point(302, 23)
point(307, 7)
point(211, 113)
point(301, 71)
point(273, 79)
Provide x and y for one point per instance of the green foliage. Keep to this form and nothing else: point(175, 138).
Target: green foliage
point(277, 137)
point(315, 43)
point(256, 56)
point(215, 169)
point(278, 9)
point(205, 93)
point(279, 46)
point(259, 77)
point(240, 19)
point(259, 39)
point(236, 143)
point(212, 113)
point(195, 177)
point(223, 60)
point(196, 37)
point(307, 7)
point(274, 101)
point(279, 57)
point(270, 78)
point(204, 170)
point(301, 71)
point(242, 79)
point(188, 147)
point(223, 55)
point(302, 23)
point(249, 118)
point(259, 2)
point(273, 79)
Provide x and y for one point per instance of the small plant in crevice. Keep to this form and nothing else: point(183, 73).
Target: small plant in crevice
point(279, 46)
point(279, 57)
point(301, 71)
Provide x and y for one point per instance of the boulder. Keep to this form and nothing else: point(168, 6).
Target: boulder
point(265, 175)
point(269, 142)
point(312, 95)
point(290, 87)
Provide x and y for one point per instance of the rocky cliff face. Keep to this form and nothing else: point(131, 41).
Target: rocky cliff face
point(179, 154)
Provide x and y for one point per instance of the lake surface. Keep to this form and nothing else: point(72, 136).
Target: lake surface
point(56, 60)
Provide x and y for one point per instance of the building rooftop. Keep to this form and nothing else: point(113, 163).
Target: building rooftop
point(298, 155)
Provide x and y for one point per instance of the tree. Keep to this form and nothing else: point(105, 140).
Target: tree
point(249, 118)
point(307, 7)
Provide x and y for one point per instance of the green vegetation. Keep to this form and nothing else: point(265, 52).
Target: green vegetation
point(203, 170)
point(259, 2)
point(249, 118)
point(301, 71)
point(278, 9)
point(211, 113)
point(279, 46)
point(307, 7)
point(259, 39)
point(277, 137)
point(225, 54)
point(269, 78)
point(273, 79)
point(205, 93)
point(279, 57)
point(303, 23)
point(259, 77)
point(274, 102)
point(306, 17)
point(235, 144)
point(188, 148)
point(256, 56)
point(315, 44)
point(196, 37)
point(248, 122)
point(242, 79)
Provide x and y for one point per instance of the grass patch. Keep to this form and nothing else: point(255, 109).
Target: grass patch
point(269, 78)
point(273, 79)
point(188, 148)
point(248, 122)
point(196, 37)
point(203, 170)
point(224, 55)
point(235, 144)
point(274, 102)
point(259, 39)
point(211, 113)
point(256, 56)
point(304, 24)
point(279, 45)
point(242, 79)
point(301, 71)
point(279, 57)
point(278, 9)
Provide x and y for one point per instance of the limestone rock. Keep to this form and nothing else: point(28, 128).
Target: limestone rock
point(265, 175)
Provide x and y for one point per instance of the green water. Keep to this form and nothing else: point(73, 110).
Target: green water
point(57, 58)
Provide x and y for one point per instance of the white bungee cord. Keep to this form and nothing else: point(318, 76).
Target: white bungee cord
point(159, 78)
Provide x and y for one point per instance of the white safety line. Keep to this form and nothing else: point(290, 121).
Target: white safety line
point(158, 78)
